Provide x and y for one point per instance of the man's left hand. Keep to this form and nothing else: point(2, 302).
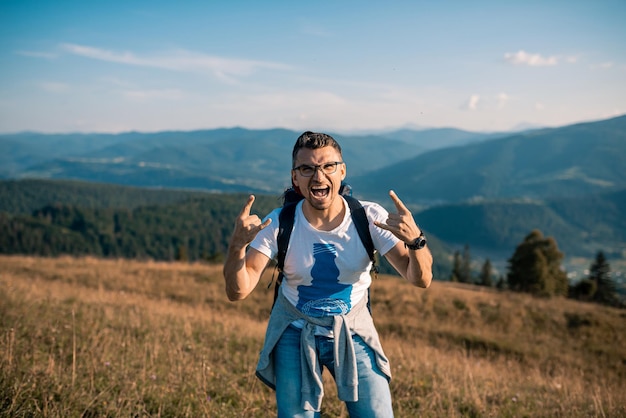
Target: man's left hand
point(401, 223)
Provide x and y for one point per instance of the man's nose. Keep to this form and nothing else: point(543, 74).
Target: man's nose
point(318, 173)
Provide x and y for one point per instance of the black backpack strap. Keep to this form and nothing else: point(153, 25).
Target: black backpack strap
point(285, 226)
point(285, 221)
point(359, 217)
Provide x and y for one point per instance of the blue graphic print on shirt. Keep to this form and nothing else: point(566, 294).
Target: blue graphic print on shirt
point(325, 296)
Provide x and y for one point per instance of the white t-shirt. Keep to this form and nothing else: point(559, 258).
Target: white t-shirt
point(326, 272)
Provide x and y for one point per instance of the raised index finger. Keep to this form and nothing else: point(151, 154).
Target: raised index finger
point(246, 208)
point(396, 200)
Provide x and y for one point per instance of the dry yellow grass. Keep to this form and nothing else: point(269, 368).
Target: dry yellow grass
point(89, 337)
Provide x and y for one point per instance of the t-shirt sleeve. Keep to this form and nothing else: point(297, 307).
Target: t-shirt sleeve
point(265, 241)
point(383, 239)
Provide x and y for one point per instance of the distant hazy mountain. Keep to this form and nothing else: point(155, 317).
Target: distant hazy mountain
point(437, 138)
point(20, 151)
point(425, 167)
point(571, 161)
point(222, 159)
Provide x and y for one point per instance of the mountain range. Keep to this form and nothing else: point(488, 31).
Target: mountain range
point(233, 159)
point(487, 190)
point(571, 161)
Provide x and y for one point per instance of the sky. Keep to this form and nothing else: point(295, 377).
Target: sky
point(331, 66)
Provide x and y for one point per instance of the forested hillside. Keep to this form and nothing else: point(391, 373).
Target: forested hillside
point(46, 217)
point(581, 225)
point(25, 196)
point(53, 217)
point(72, 218)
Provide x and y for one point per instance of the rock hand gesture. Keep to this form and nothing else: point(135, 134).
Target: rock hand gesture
point(242, 271)
point(401, 223)
point(415, 265)
point(247, 226)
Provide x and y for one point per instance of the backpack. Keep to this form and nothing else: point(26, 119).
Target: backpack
point(286, 219)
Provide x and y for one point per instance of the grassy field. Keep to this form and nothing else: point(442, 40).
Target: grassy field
point(81, 337)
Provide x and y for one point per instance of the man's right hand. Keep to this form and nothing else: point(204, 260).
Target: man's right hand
point(247, 227)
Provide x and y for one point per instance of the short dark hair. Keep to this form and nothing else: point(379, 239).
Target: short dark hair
point(313, 140)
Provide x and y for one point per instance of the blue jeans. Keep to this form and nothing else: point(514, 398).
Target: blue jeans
point(374, 395)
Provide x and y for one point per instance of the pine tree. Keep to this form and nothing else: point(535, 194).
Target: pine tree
point(455, 276)
point(466, 266)
point(600, 274)
point(485, 274)
point(501, 283)
point(182, 253)
point(535, 267)
point(584, 290)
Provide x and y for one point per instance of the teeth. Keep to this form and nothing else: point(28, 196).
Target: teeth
point(319, 191)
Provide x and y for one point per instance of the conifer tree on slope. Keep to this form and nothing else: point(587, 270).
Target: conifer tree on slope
point(535, 267)
point(600, 274)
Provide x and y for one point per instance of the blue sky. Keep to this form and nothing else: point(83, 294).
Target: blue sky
point(334, 66)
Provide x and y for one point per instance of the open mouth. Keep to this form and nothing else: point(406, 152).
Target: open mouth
point(320, 192)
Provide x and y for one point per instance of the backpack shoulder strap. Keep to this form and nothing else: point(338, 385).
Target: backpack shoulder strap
point(359, 217)
point(285, 226)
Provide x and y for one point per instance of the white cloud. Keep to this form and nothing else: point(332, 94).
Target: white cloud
point(539, 106)
point(472, 102)
point(486, 103)
point(502, 99)
point(180, 60)
point(532, 60)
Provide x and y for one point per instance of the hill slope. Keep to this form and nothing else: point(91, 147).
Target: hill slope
point(575, 160)
point(581, 225)
point(125, 338)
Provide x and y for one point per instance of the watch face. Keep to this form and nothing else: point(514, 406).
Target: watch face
point(418, 244)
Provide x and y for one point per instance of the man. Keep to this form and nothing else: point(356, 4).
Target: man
point(320, 318)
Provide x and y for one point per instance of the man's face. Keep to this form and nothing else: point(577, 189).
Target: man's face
point(321, 188)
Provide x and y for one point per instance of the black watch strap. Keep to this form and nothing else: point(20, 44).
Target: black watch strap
point(418, 243)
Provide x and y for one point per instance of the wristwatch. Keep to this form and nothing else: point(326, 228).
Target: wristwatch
point(418, 243)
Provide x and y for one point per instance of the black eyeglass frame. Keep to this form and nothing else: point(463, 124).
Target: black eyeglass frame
point(320, 167)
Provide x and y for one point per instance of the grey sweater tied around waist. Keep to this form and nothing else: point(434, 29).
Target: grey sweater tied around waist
point(358, 321)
